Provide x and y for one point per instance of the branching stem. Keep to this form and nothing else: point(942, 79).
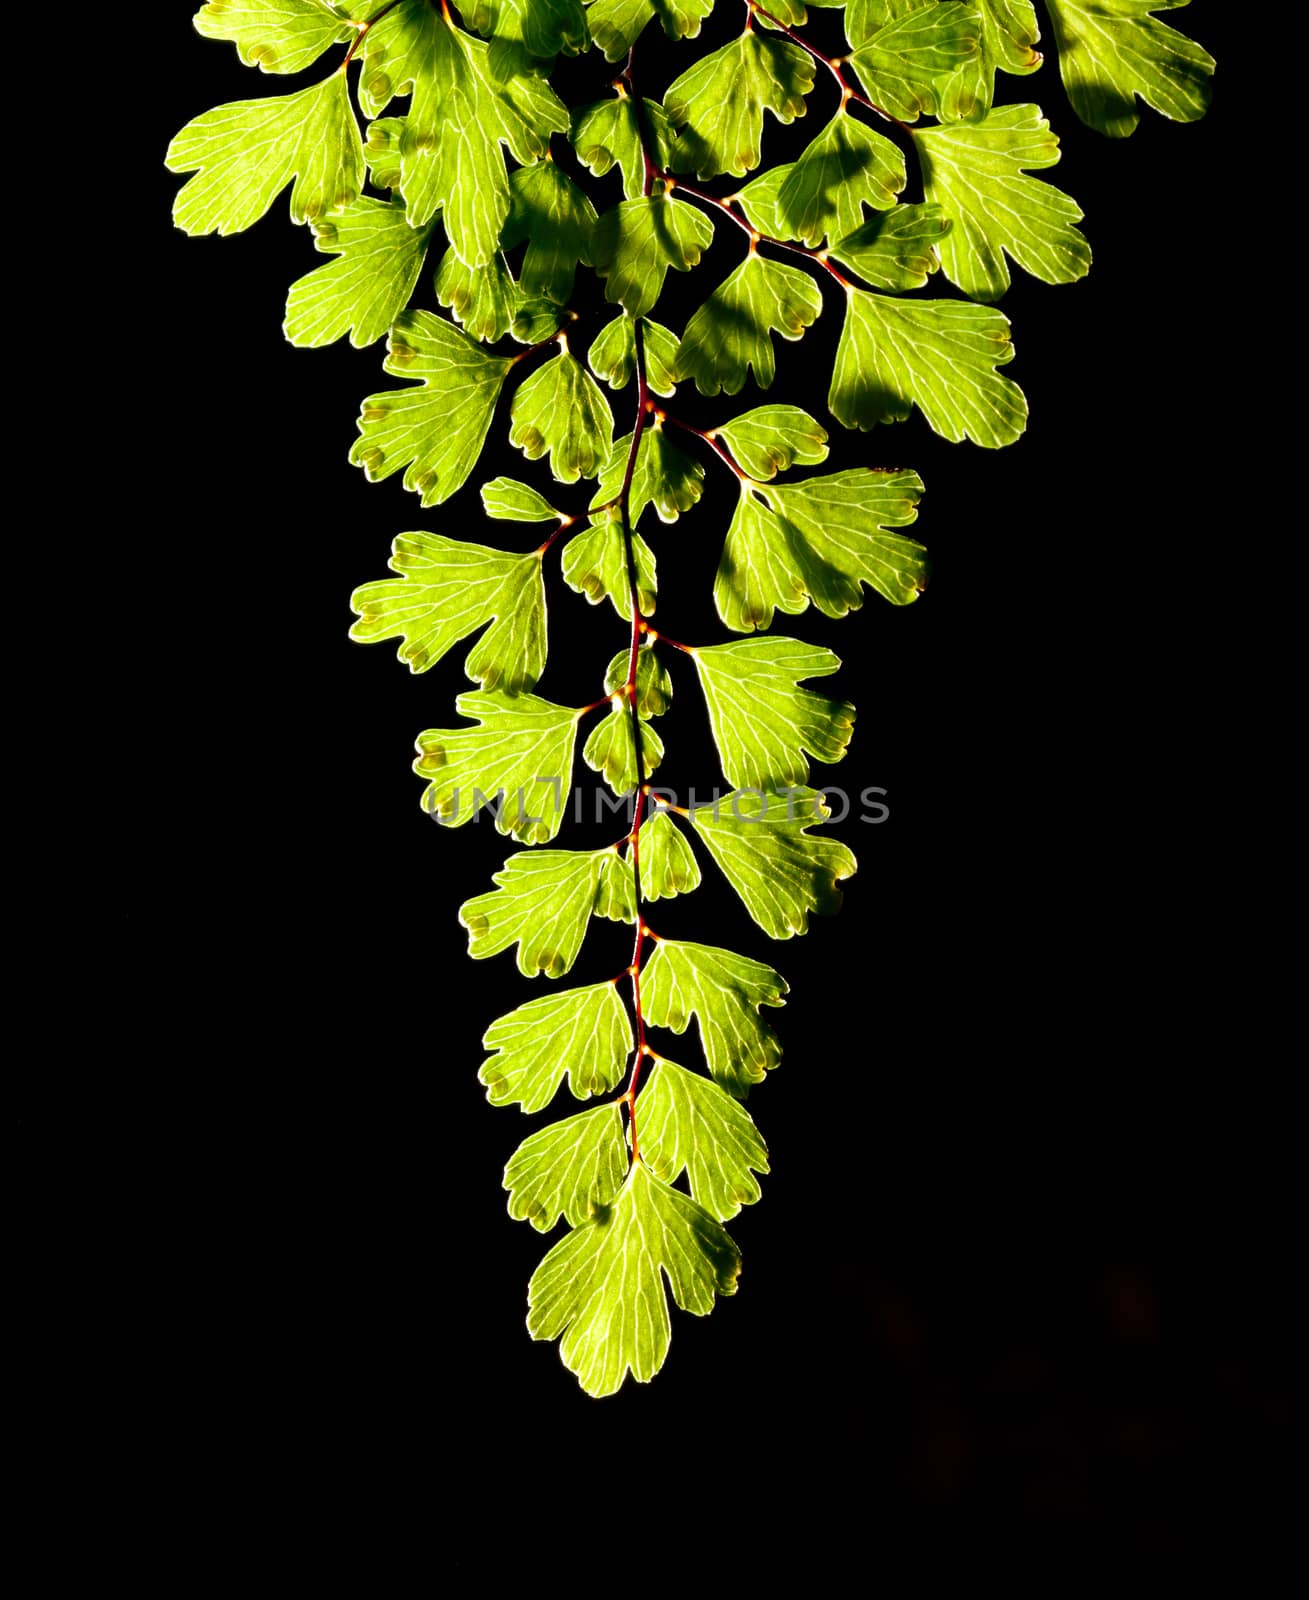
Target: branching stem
point(365, 28)
point(756, 238)
point(644, 407)
point(848, 91)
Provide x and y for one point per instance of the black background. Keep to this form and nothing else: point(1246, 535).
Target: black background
point(1019, 1251)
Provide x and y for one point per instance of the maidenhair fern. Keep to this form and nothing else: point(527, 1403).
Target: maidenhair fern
point(494, 195)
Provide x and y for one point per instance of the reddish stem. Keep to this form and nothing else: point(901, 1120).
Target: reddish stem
point(644, 406)
point(365, 28)
point(755, 236)
point(713, 444)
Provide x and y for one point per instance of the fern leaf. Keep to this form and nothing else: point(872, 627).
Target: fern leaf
point(579, 1034)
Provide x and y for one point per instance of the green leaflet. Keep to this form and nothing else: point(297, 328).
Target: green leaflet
point(938, 355)
point(611, 749)
point(463, 106)
point(449, 589)
point(1007, 43)
point(273, 35)
point(561, 409)
point(780, 870)
point(721, 101)
point(600, 1293)
point(974, 172)
point(729, 334)
point(512, 501)
point(522, 749)
point(819, 540)
point(571, 1169)
point(898, 249)
point(688, 1124)
point(595, 564)
point(616, 895)
point(654, 688)
point(543, 903)
point(612, 355)
point(665, 477)
point(436, 431)
point(668, 864)
point(607, 134)
point(723, 992)
point(847, 166)
point(763, 721)
point(379, 257)
point(1113, 51)
point(770, 439)
point(485, 300)
point(759, 200)
point(549, 211)
point(540, 28)
point(617, 24)
point(637, 242)
point(244, 154)
point(382, 152)
point(581, 1034)
point(904, 64)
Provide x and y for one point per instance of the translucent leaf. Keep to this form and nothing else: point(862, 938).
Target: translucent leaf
point(847, 166)
point(759, 200)
point(719, 103)
point(1007, 44)
point(636, 243)
point(665, 477)
point(558, 221)
point(607, 134)
point(616, 24)
point(543, 904)
point(541, 28)
point(1113, 51)
point(975, 173)
point(654, 688)
point(939, 355)
point(522, 748)
point(571, 1169)
point(600, 1293)
point(763, 721)
point(835, 528)
point(770, 439)
point(819, 540)
point(485, 300)
point(612, 355)
point(780, 870)
point(274, 35)
point(896, 250)
point(512, 501)
point(724, 992)
point(904, 62)
point(595, 564)
point(729, 334)
point(449, 589)
point(581, 1033)
point(463, 106)
point(668, 864)
point(611, 749)
point(561, 409)
point(382, 152)
point(435, 431)
point(362, 292)
point(244, 154)
point(686, 1123)
point(616, 896)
